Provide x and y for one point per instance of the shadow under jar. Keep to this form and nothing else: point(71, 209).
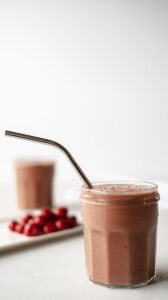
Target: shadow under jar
point(120, 229)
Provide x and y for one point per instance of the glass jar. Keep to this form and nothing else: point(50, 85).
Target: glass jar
point(34, 183)
point(120, 228)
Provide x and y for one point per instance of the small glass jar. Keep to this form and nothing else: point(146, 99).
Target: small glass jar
point(120, 228)
point(34, 183)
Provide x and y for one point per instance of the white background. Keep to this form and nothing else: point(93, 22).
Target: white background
point(91, 75)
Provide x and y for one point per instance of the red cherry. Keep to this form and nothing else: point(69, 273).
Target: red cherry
point(72, 222)
point(19, 228)
point(49, 227)
point(61, 211)
point(61, 224)
point(12, 225)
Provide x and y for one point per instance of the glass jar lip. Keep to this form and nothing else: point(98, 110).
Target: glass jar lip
point(34, 162)
point(149, 187)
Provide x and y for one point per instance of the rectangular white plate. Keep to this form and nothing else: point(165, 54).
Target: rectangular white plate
point(10, 240)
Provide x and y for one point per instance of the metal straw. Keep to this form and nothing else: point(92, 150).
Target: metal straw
point(55, 144)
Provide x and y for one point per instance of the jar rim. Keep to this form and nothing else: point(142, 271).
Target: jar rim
point(145, 187)
point(33, 162)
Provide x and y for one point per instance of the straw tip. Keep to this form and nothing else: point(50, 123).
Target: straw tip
point(6, 132)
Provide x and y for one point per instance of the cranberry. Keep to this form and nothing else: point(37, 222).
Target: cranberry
point(61, 224)
point(58, 217)
point(47, 213)
point(61, 211)
point(49, 227)
point(26, 219)
point(19, 228)
point(12, 225)
point(40, 220)
point(72, 222)
point(45, 222)
point(32, 229)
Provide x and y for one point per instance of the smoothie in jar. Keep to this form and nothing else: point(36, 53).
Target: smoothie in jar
point(34, 183)
point(120, 227)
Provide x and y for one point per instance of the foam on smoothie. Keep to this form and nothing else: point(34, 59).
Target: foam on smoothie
point(120, 188)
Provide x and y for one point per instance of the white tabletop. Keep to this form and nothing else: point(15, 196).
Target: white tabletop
point(56, 270)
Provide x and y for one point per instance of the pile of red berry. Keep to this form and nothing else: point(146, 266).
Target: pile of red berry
point(46, 221)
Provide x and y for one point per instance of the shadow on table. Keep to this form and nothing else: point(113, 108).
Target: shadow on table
point(161, 276)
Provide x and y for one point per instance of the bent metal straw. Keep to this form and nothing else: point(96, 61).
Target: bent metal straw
point(55, 144)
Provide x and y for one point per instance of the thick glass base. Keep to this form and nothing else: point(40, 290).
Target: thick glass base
point(129, 285)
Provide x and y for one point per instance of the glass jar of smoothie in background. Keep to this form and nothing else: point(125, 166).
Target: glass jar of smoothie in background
point(120, 228)
point(34, 183)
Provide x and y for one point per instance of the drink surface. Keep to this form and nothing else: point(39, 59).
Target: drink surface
point(122, 188)
point(120, 193)
point(33, 163)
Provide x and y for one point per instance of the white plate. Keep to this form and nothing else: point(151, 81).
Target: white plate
point(10, 240)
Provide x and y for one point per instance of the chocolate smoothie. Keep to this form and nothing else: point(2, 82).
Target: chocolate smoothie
point(34, 183)
point(120, 225)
